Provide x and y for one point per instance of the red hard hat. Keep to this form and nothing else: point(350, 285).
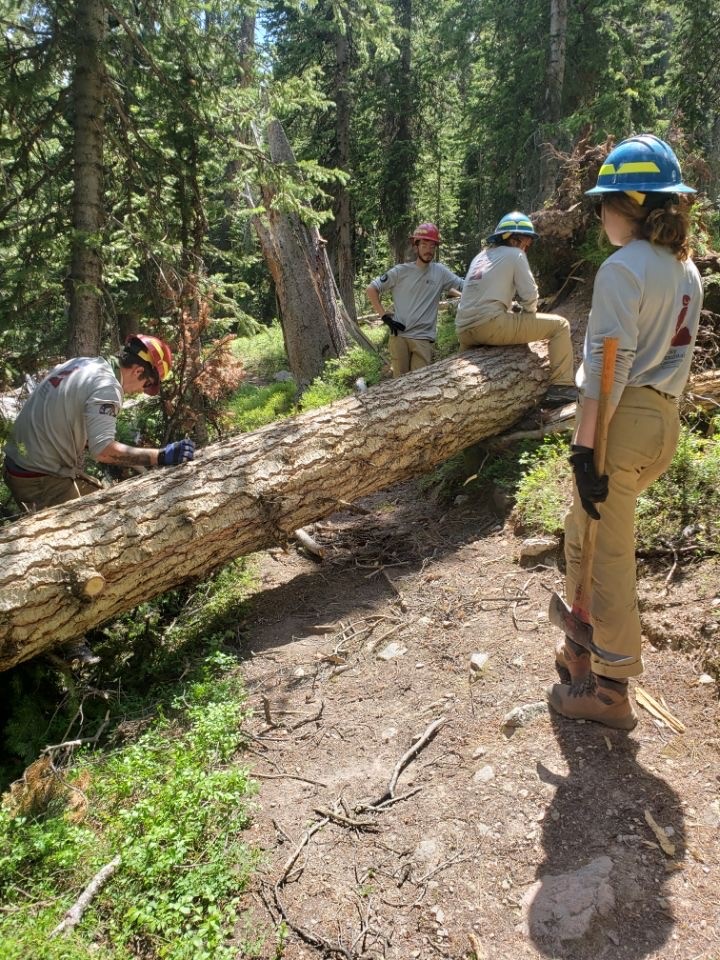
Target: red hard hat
point(156, 353)
point(426, 231)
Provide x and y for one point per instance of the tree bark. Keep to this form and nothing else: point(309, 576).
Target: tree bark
point(341, 232)
point(400, 147)
point(154, 532)
point(85, 279)
point(555, 78)
point(315, 325)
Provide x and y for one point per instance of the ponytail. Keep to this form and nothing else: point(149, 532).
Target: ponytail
point(661, 219)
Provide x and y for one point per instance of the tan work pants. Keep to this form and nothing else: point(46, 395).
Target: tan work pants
point(509, 328)
point(35, 493)
point(407, 354)
point(642, 439)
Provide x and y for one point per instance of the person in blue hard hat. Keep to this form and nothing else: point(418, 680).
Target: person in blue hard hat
point(499, 300)
point(648, 294)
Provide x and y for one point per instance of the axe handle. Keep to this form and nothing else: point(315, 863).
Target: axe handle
point(583, 590)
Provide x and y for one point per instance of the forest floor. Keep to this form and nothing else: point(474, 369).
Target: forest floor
point(552, 839)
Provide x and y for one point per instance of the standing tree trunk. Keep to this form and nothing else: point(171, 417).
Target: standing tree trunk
point(315, 325)
point(85, 280)
point(340, 247)
point(69, 569)
point(400, 149)
point(553, 96)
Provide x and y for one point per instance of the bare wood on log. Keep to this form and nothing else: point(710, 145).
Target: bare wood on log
point(247, 493)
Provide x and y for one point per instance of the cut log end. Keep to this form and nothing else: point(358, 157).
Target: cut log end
point(86, 584)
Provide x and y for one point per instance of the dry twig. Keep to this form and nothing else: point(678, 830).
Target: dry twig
point(75, 913)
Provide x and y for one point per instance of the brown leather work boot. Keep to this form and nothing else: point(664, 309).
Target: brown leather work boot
point(602, 700)
point(572, 663)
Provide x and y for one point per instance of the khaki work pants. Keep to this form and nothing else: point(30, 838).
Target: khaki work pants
point(642, 438)
point(35, 493)
point(407, 354)
point(509, 328)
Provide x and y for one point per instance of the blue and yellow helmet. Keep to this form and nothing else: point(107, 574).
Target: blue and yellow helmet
point(514, 222)
point(641, 164)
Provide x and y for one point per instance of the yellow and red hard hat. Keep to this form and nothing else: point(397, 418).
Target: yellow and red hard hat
point(156, 353)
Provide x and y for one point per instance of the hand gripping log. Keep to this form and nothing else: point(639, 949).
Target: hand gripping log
point(575, 621)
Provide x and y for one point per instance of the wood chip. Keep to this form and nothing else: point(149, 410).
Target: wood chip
point(668, 848)
point(649, 703)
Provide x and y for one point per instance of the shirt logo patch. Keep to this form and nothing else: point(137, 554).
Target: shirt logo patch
point(682, 336)
point(107, 410)
point(383, 278)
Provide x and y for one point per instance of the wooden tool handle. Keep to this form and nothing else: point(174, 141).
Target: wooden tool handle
point(581, 603)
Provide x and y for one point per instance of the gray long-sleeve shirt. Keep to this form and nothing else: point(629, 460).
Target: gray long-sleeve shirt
point(497, 276)
point(416, 295)
point(651, 301)
point(74, 408)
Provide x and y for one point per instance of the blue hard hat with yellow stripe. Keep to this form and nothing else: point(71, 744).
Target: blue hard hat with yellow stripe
point(641, 164)
point(514, 222)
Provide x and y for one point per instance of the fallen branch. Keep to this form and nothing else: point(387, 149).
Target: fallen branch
point(287, 776)
point(347, 821)
point(319, 943)
point(403, 762)
point(644, 699)
point(74, 914)
point(300, 723)
point(312, 546)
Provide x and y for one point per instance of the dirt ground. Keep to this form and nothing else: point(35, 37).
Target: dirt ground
point(551, 839)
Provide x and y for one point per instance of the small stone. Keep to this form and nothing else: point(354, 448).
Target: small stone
point(484, 774)
point(478, 662)
point(388, 733)
point(419, 665)
point(522, 716)
point(460, 499)
point(537, 546)
point(425, 621)
point(705, 678)
point(554, 814)
point(298, 672)
point(391, 651)
point(282, 376)
point(480, 752)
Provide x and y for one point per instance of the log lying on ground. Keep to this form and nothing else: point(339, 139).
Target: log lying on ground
point(67, 570)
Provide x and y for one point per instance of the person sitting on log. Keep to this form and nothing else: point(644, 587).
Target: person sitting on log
point(498, 306)
point(417, 288)
point(75, 409)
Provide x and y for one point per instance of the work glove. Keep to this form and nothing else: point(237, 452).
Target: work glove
point(175, 453)
point(395, 326)
point(591, 487)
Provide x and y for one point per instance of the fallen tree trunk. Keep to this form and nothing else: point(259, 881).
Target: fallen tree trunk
point(152, 533)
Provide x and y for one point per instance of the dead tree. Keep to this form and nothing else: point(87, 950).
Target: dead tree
point(316, 326)
point(66, 570)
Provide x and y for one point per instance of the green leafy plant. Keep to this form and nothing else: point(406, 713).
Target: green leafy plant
point(339, 376)
point(174, 805)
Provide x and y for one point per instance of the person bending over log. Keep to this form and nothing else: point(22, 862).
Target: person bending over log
point(648, 294)
point(498, 306)
point(417, 289)
point(75, 408)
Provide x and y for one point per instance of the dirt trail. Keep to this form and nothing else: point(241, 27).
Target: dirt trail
point(533, 840)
